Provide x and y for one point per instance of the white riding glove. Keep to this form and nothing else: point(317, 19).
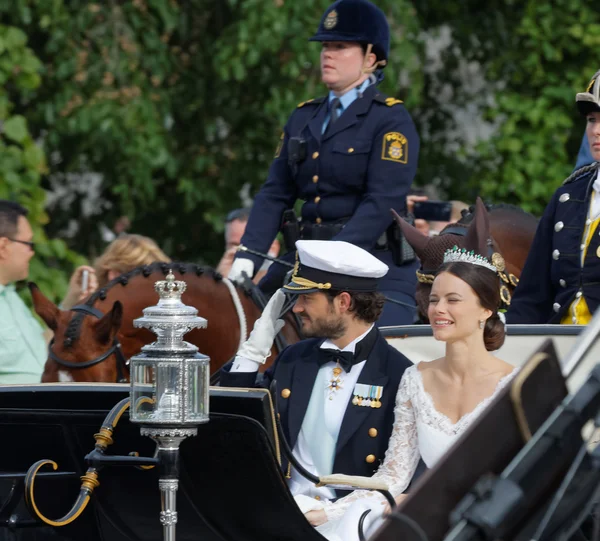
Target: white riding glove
point(240, 267)
point(258, 346)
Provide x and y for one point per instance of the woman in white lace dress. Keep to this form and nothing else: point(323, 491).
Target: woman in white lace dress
point(436, 400)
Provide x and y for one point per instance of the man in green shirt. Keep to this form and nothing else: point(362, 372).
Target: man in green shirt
point(22, 344)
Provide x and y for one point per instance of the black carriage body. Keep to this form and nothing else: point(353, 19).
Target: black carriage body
point(58, 422)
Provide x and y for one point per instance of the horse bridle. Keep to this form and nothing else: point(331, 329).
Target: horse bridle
point(115, 349)
point(427, 276)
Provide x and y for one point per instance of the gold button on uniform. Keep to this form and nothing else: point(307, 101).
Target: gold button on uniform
point(373, 432)
point(286, 393)
point(318, 220)
point(317, 497)
point(370, 459)
point(315, 155)
point(317, 199)
point(350, 150)
point(315, 179)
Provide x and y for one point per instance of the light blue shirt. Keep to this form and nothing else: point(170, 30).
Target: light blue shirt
point(346, 99)
point(22, 346)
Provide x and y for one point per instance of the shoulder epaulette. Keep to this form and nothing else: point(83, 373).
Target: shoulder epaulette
point(314, 101)
point(390, 102)
point(575, 175)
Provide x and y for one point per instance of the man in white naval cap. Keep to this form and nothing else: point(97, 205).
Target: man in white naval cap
point(336, 390)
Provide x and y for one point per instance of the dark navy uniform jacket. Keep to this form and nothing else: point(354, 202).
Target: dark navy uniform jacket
point(361, 167)
point(295, 371)
point(553, 276)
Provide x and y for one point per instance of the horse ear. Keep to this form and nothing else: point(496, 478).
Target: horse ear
point(108, 325)
point(478, 234)
point(44, 308)
point(415, 238)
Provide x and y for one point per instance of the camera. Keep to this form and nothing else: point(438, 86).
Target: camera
point(436, 211)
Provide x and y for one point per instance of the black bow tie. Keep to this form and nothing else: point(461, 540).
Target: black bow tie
point(347, 359)
point(344, 358)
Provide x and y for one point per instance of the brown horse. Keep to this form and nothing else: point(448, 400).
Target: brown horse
point(507, 232)
point(93, 341)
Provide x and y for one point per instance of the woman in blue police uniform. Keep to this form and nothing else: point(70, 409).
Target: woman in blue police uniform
point(561, 279)
point(350, 156)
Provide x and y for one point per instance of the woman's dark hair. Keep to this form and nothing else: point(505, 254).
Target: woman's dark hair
point(366, 306)
point(485, 284)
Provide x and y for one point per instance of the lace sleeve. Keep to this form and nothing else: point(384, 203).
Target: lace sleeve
point(401, 457)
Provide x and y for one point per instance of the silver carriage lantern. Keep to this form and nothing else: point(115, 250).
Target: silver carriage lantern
point(169, 387)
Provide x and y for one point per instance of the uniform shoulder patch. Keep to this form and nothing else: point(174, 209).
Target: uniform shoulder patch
point(314, 101)
point(395, 147)
point(580, 172)
point(390, 102)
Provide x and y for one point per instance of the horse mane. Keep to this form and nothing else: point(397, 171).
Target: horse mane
point(74, 328)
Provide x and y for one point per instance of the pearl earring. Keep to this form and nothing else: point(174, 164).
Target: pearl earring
point(481, 323)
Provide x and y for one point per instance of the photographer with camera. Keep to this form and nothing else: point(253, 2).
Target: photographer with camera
point(350, 156)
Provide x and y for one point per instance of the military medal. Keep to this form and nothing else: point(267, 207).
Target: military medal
point(368, 396)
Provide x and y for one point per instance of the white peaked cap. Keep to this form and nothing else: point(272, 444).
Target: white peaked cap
point(334, 264)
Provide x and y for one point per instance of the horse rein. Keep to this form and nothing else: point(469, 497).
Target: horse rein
point(115, 349)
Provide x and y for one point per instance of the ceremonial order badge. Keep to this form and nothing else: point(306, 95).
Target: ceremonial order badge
point(395, 147)
point(331, 20)
point(368, 396)
point(335, 383)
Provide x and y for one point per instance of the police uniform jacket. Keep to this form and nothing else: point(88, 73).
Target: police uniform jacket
point(553, 276)
point(365, 432)
point(362, 166)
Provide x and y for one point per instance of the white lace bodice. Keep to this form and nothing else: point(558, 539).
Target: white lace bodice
point(419, 431)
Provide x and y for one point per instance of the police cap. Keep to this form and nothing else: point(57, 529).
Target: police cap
point(356, 20)
point(589, 101)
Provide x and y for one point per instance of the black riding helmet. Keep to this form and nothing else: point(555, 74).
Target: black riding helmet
point(356, 20)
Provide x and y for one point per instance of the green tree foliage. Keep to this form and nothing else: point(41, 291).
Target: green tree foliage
point(534, 56)
point(22, 160)
point(177, 105)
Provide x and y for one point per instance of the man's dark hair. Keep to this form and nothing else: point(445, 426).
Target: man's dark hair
point(9, 217)
point(366, 306)
point(241, 214)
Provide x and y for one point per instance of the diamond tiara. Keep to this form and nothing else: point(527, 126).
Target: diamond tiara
point(460, 254)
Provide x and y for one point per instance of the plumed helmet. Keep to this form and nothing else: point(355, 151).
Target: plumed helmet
point(589, 101)
point(356, 20)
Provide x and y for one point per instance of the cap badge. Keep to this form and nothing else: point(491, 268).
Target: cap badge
point(331, 20)
point(395, 147)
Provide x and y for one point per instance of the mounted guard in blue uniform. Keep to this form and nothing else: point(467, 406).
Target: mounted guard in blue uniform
point(561, 279)
point(350, 156)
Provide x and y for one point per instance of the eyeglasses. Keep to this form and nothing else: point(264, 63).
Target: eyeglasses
point(25, 242)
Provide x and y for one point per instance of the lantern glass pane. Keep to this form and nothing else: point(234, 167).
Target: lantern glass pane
point(169, 396)
point(198, 383)
point(143, 392)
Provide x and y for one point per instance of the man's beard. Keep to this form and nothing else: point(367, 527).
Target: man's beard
point(324, 328)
